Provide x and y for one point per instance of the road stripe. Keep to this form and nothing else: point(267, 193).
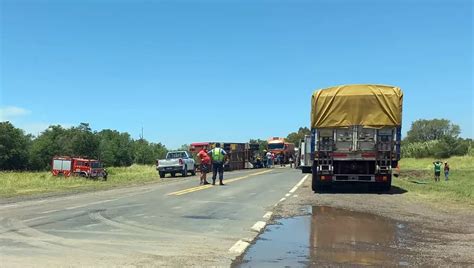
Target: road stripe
point(298, 184)
point(258, 226)
point(268, 215)
point(239, 247)
point(203, 187)
point(49, 211)
point(283, 199)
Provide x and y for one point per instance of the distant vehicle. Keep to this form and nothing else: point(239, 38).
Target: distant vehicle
point(239, 155)
point(305, 162)
point(278, 145)
point(67, 166)
point(356, 133)
point(176, 162)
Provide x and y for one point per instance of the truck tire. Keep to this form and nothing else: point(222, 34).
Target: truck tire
point(162, 174)
point(316, 184)
point(193, 172)
point(184, 173)
point(386, 186)
point(173, 174)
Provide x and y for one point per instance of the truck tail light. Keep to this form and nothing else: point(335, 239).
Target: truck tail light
point(157, 163)
point(180, 161)
point(381, 178)
point(326, 177)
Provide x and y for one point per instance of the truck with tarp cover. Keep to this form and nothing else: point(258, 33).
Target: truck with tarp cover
point(355, 134)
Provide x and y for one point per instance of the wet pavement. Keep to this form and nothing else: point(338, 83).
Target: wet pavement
point(331, 237)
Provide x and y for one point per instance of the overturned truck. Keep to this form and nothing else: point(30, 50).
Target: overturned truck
point(355, 134)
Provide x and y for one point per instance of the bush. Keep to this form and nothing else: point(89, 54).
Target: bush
point(419, 149)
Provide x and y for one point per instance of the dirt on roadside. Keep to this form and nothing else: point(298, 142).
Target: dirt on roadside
point(433, 234)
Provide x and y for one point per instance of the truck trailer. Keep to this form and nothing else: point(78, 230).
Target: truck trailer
point(355, 135)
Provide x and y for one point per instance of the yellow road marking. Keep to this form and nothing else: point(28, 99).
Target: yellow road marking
point(202, 187)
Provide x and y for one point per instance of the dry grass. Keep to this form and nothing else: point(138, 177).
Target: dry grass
point(27, 183)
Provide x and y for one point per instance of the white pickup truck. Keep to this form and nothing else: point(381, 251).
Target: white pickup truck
point(176, 162)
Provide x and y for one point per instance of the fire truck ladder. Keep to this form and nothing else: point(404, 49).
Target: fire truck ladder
point(384, 156)
point(325, 158)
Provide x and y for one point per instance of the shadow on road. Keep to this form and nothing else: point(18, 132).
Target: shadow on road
point(360, 188)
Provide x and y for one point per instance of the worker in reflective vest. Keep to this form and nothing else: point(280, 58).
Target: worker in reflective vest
point(218, 156)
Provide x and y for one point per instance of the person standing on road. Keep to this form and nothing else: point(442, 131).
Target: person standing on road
point(269, 159)
point(281, 159)
point(446, 171)
point(205, 163)
point(218, 155)
point(264, 158)
point(437, 169)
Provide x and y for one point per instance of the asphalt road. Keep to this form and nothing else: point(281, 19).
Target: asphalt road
point(179, 223)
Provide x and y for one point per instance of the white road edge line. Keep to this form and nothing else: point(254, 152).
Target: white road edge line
point(239, 247)
point(258, 226)
point(268, 215)
point(287, 195)
point(281, 200)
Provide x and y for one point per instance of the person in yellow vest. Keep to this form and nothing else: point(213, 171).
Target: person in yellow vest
point(218, 156)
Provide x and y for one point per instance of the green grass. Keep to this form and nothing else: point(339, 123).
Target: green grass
point(417, 177)
point(28, 183)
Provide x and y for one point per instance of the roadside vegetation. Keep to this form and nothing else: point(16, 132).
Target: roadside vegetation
point(31, 183)
point(25, 160)
point(417, 177)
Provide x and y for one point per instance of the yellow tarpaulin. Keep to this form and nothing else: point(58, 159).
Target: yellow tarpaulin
point(366, 105)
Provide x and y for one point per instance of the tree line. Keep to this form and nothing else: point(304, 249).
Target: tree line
point(437, 138)
point(20, 151)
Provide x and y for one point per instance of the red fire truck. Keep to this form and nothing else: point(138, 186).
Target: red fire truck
point(67, 166)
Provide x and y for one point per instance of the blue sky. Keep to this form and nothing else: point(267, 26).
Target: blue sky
point(191, 71)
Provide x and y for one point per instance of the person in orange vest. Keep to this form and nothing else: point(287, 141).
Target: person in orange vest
point(218, 156)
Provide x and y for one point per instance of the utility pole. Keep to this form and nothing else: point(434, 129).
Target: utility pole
point(143, 151)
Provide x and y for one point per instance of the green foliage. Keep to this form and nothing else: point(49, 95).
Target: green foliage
point(148, 153)
point(434, 138)
point(113, 148)
point(184, 147)
point(419, 149)
point(263, 145)
point(14, 146)
point(434, 129)
point(296, 137)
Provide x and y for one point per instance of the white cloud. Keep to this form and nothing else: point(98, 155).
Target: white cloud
point(9, 112)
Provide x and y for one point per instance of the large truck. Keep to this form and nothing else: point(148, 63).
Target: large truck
point(355, 134)
point(76, 166)
point(304, 155)
point(279, 146)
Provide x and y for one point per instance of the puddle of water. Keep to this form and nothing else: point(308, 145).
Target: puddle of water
point(329, 237)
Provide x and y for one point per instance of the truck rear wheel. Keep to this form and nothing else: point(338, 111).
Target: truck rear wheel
point(173, 174)
point(162, 174)
point(316, 184)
